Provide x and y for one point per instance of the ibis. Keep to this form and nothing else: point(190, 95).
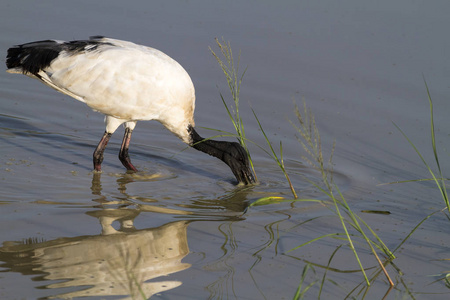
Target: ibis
point(126, 82)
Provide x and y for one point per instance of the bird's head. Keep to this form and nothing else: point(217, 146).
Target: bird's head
point(236, 158)
point(231, 153)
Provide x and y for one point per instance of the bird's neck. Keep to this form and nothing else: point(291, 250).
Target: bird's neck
point(208, 146)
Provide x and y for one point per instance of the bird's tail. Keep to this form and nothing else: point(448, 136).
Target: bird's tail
point(32, 57)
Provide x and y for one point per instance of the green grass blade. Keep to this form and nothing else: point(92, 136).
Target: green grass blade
point(299, 293)
point(352, 247)
point(275, 156)
point(326, 270)
point(433, 138)
point(316, 239)
point(413, 230)
point(231, 71)
point(433, 143)
point(441, 189)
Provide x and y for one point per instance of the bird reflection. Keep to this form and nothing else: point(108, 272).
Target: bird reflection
point(122, 259)
point(118, 262)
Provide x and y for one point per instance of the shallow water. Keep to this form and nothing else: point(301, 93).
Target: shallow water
point(180, 227)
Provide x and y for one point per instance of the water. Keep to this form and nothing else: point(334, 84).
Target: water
point(178, 227)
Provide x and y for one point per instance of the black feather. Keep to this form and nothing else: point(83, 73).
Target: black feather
point(36, 56)
point(96, 37)
point(33, 57)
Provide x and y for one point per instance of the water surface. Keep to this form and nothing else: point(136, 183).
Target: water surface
point(180, 228)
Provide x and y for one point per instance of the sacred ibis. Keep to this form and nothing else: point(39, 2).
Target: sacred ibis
point(127, 83)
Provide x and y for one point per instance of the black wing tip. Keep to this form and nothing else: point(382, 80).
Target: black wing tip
point(35, 56)
point(12, 60)
point(32, 57)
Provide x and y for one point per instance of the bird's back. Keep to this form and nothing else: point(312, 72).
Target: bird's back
point(118, 78)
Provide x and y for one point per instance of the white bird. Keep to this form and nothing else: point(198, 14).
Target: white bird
point(128, 83)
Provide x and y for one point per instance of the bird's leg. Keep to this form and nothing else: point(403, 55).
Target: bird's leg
point(123, 154)
point(98, 153)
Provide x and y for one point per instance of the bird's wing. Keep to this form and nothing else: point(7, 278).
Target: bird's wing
point(43, 76)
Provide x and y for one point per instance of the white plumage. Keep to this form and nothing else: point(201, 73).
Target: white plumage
point(128, 83)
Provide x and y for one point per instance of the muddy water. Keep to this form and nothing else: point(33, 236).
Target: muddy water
point(180, 228)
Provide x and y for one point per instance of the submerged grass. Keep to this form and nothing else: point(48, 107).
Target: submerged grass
point(313, 149)
point(438, 179)
point(278, 160)
point(301, 291)
point(356, 232)
point(309, 139)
